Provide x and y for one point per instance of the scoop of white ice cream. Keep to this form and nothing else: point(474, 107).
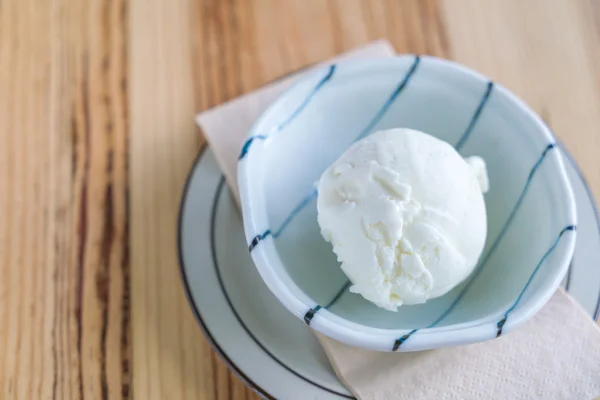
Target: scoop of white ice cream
point(405, 215)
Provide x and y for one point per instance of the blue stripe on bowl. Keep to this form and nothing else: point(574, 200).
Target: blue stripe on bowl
point(571, 228)
point(501, 235)
point(289, 119)
point(390, 100)
point(296, 211)
point(322, 82)
point(310, 313)
point(499, 324)
point(494, 246)
point(402, 339)
point(257, 239)
point(461, 142)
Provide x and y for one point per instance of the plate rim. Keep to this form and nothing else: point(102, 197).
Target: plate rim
point(188, 292)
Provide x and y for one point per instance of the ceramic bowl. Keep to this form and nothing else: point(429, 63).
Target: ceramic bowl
point(530, 204)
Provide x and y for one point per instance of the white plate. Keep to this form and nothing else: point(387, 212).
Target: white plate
point(272, 351)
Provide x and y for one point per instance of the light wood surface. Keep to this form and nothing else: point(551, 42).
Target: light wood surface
point(97, 99)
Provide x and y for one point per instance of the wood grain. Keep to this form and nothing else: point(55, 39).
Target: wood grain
point(64, 302)
point(97, 99)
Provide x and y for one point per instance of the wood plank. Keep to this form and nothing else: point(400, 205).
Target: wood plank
point(63, 198)
point(171, 359)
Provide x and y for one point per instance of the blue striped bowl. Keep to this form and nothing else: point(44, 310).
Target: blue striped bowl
point(530, 205)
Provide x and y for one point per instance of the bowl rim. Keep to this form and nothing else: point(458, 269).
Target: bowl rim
point(379, 339)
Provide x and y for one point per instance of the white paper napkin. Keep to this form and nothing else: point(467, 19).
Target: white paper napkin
point(556, 355)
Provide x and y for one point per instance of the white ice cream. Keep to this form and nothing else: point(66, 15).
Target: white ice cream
point(405, 215)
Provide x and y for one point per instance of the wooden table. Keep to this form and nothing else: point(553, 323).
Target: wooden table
point(97, 100)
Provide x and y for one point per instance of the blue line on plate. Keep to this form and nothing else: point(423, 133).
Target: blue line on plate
point(282, 125)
